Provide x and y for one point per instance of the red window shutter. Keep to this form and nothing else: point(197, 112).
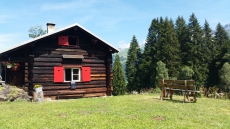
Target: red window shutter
point(58, 74)
point(63, 40)
point(85, 73)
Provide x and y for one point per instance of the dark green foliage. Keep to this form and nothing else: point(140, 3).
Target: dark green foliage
point(194, 57)
point(147, 66)
point(188, 51)
point(220, 52)
point(119, 86)
point(182, 32)
point(36, 31)
point(162, 45)
point(132, 65)
point(170, 48)
point(210, 53)
point(224, 75)
point(221, 36)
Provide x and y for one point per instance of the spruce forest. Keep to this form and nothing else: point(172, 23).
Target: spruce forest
point(179, 50)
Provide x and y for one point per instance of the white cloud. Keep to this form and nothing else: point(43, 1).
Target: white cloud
point(143, 42)
point(122, 45)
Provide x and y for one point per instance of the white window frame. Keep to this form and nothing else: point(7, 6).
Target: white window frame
point(79, 79)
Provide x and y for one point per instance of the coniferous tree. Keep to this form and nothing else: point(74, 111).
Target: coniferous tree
point(170, 49)
point(195, 54)
point(210, 53)
point(221, 36)
point(132, 65)
point(209, 48)
point(221, 50)
point(156, 50)
point(119, 86)
point(146, 68)
point(182, 32)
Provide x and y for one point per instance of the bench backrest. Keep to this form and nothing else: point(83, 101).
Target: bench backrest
point(191, 84)
point(161, 82)
point(181, 84)
point(177, 84)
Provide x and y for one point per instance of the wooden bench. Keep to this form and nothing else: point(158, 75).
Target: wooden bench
point(70, 92)
point(187, 87)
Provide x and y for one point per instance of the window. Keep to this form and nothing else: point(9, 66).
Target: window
point(68, 40)
point(62, 74)
point(73, 40)
point(72, 74)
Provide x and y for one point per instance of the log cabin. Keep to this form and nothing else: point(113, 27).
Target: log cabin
point(57, 59)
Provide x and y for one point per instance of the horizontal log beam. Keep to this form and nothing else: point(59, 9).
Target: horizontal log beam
point(89, 90)
point(45, 88)
point(48, 59)
point(60, 49)
point(46, 64)
point(43, 68)
point(19, 59)
point(93, 61)
point(98, 75)
point(43, 71)
point(68, 83)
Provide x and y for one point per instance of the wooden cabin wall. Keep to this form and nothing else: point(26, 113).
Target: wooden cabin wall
point(20, 56)
point(47, 54)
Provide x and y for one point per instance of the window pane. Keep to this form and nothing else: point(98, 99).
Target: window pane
point(75, 77)
point(75, 71)
point(72, 40)
point(67, 74)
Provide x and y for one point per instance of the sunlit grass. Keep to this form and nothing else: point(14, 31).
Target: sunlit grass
point(129, 111)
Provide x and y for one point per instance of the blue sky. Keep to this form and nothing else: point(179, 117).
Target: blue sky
point(115, 21)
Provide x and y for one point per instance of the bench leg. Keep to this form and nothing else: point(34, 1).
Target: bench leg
point(194, 97)
point(171, 94)
point(186, 97)
point(162, 93)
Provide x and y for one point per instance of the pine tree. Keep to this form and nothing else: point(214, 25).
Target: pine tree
point(182, 32)
point(132, 64)
point(147, 64)
point(210, 53)
point(119, 86)
point(221, 36)
point(170, 48)
point(195, 54)
point(221, 50)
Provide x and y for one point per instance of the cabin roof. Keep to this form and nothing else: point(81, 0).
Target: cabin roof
point(51, 33)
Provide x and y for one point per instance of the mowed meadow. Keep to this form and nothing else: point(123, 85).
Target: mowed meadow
point(141, 111)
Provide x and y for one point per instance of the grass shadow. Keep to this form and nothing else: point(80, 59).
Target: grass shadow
point(173, 100)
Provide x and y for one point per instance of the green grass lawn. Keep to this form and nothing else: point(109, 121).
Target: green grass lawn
point(144, 111)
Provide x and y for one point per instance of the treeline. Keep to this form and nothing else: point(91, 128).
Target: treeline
point(175, 49)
